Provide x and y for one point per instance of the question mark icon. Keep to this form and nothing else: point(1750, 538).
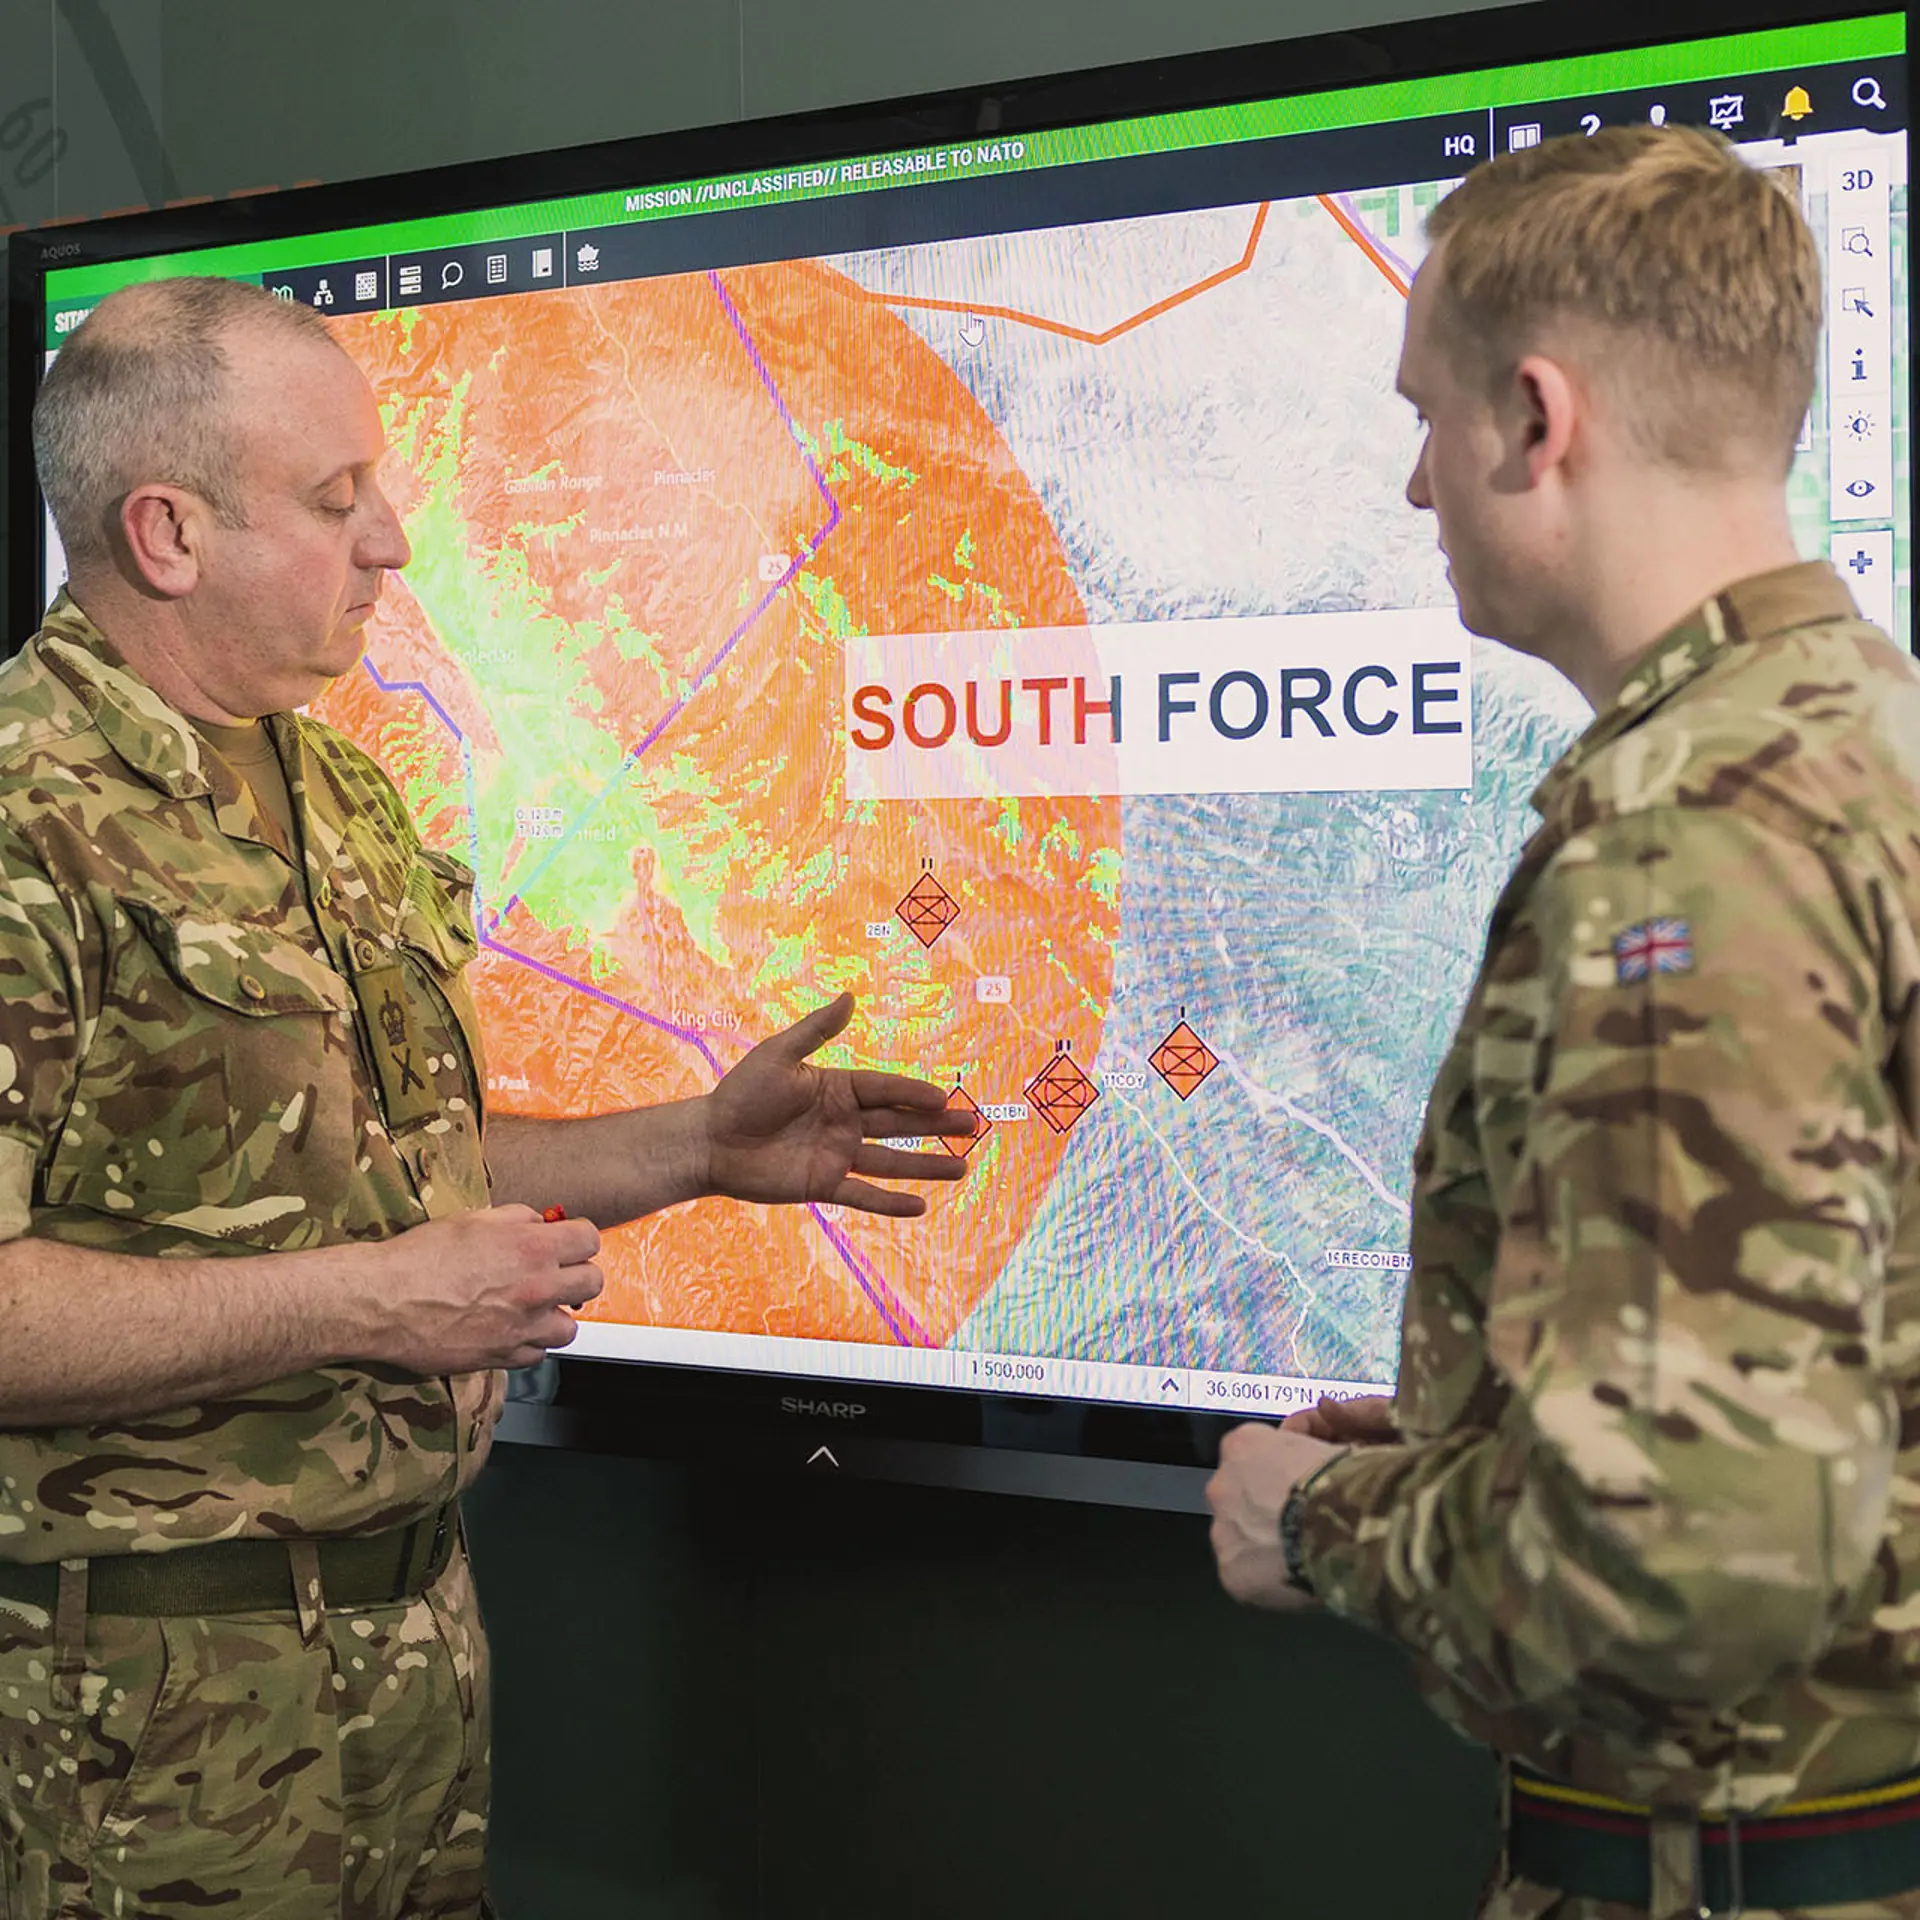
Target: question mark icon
point(1589, 124)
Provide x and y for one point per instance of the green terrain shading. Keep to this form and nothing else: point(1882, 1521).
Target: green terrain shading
point(838, 455)
point(568, 702)
point(555, 747)
point(829, 606)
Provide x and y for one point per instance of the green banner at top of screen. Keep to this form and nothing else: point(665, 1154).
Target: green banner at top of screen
point(70, 290)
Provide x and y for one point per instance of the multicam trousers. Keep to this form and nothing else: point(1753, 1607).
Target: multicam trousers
point(242, 1766)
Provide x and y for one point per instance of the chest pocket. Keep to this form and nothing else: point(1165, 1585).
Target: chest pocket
point(1444, 1376)
point(217, 1094)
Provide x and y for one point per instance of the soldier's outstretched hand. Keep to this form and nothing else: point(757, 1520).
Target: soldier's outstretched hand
point(781, 1128)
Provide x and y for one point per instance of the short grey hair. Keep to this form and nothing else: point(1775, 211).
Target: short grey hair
point(139, 394)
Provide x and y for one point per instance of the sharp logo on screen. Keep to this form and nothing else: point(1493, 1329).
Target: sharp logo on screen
point(821, 1409)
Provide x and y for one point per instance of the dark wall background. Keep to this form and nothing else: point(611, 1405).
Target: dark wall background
point(808, 1700)
point(109, 105)
point(721, 1698)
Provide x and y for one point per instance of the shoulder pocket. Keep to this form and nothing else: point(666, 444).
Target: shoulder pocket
point(437, 917)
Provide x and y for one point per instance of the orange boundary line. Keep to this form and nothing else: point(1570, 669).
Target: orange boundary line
point(1354, 232)
point(1362, 239)
point(1083, 334)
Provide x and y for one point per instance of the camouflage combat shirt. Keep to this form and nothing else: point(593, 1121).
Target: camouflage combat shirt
point(212, 1043)
point(1654, 1525)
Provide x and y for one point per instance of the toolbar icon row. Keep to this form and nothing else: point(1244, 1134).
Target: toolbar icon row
point(477, 271)
point(1859, 338)
point(1749, 112)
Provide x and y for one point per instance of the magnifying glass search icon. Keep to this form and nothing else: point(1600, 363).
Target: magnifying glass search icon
point(1866, 93)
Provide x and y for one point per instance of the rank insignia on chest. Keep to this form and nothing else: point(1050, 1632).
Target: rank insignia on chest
point(398, 1042)
point(1653, 946)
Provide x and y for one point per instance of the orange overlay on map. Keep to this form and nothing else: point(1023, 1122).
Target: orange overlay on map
point(645, 517)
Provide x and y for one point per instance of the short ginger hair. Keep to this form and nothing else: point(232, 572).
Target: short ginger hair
point(1684, 282)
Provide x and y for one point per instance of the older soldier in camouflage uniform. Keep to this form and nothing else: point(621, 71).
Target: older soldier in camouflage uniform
point(1643, 1508)
point(256, 1271)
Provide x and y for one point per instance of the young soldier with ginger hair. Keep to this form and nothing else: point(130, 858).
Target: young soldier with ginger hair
point(1643, 1508)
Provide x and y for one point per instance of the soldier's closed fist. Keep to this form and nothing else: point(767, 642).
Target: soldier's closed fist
point(1259, 1467)
point(497, 1288)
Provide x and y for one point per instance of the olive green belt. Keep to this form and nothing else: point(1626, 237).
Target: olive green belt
point(251, 1576)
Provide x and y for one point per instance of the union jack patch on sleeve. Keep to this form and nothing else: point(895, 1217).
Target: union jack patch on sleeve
point(1654, 946)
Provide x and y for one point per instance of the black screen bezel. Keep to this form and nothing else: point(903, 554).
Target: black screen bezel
point(1112, 1452)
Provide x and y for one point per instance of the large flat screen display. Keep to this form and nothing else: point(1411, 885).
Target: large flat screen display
point(977, 574)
